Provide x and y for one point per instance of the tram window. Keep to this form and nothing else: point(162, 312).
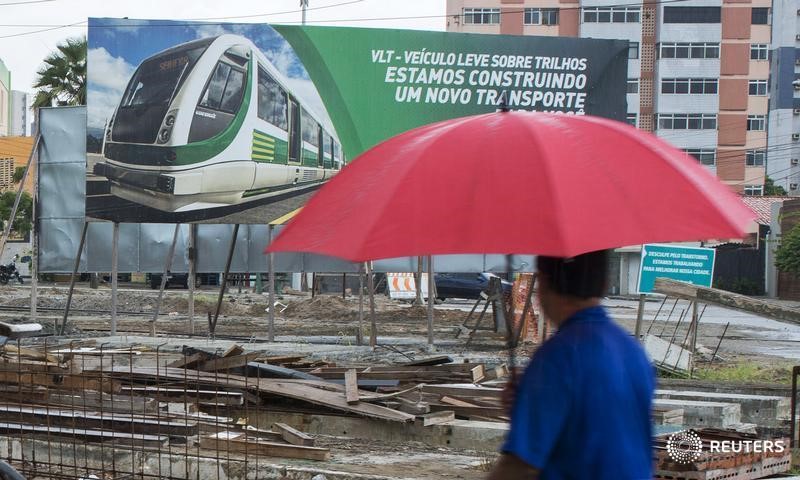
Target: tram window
point(272, 103)
point(327, 144)
point(225, 89)
point(337, 155)
point(234, 89)
point(309, 128)
point(294, 133)
point(213, 94)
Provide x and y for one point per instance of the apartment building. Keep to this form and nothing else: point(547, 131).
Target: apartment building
point(698, 70)
point(784, 116)
point(19, 114)
point(5, 100)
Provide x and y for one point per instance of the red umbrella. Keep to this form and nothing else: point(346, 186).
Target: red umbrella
point(514, 182)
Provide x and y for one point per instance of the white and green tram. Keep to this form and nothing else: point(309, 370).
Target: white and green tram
point(213, 123)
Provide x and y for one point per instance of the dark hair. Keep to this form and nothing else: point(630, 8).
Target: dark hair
point(583, 276)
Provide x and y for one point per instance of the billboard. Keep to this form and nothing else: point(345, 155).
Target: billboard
point(241, 123)
point(693, 265)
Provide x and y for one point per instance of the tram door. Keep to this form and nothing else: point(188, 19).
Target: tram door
point(295, 138)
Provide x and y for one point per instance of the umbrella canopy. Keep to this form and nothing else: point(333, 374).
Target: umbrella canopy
point(514, 182)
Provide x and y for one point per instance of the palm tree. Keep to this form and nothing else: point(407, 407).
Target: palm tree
point(62, 78)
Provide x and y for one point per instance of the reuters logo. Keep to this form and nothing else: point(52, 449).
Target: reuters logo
point(684, 446)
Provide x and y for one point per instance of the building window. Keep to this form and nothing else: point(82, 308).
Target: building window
point(633, 50)
point(754, 189)
point(706, 156)
point(687, 121)
point(756, 123)
point(757, 87)
point(689, 50)
point(707, 86)
point(755, 158)
point(760, 16)
point(541, 16)
point(759, 51)
point(633, 85)
point(632, 118)
point(611, 14)
point(482, 16)
point(692, 14)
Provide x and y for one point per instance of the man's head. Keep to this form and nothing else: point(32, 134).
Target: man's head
point(568, 284)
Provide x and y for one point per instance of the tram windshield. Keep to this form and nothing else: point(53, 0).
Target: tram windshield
point(158, 78)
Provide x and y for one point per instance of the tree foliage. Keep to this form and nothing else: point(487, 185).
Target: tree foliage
point(773, 190)
point(62, 78)
point(787, 256)
point(19, 172)
point(23, 219)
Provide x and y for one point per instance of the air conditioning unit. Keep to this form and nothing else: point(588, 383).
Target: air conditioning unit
point(796, 111)
point(792, 186)
point(796, 136)
point(796, 161)
point(797, 37)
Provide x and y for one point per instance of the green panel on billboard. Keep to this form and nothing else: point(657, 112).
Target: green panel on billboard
point(693, 265)
point(388, 81)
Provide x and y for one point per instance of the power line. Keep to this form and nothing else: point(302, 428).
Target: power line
point(26, 2)
point(340, 20)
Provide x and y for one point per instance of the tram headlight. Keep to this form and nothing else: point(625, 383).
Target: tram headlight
point(165, 132)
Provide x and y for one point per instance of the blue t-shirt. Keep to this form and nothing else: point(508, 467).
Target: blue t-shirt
point(582, 408)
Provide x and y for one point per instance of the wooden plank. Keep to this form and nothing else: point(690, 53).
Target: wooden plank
point(478, 373)
point(233, 350)
point(94, 420)
point(293, 436)
point(66, 382)
point(202, 397)
point(430, 361)
point(316, 393)
point(437, 418)
point(119, 438)
point(270, 371)
point(280, 359)
point(456, 402)
point(226, 363)
point(714, 296)
point(465, 411)
point(188, 361)
point(253, 446)
point(464, 390)
point(30, 353)
point(351, 386)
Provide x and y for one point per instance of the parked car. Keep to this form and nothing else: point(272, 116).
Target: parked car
point(465, 285)
point(174, 279)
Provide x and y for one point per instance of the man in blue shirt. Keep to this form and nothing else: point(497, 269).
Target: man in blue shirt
point(582, 409)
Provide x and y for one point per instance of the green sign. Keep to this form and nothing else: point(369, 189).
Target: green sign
point(693, 265)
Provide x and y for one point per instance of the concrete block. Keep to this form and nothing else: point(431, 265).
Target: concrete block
point(664, 353)
point(465, 434)
point(697, 414)
point(667, 416)
point(764, 410)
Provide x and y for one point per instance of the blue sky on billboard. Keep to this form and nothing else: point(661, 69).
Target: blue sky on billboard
point(117, 46)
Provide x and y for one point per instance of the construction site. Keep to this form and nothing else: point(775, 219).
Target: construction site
point(155, 400)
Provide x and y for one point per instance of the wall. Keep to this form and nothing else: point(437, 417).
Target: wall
point(788, 284)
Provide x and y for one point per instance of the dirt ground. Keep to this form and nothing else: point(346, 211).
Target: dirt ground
point(758, 348)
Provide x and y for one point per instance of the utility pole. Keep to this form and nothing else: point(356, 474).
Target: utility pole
point(304, 6)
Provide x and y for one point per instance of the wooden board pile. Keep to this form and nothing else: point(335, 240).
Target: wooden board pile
point(432, 390)
point(209, 401)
